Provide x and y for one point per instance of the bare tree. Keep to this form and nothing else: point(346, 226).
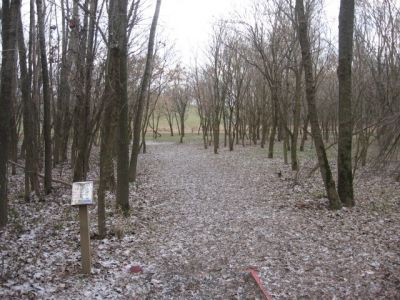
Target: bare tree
point(62, 108)
point(377, 61)
point(46, 101)
point(181, 97)
point(200, 93)
point(270, 50)
point(31, 157)
point(218, 85)
point(239, 84)
point(84, 70)
point(324, 167)
point(142, 96)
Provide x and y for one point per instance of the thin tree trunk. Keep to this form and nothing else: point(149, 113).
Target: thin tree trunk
point(34, 74)
point(61, 88)
point(142, 96)
point(224, 120)
point(204, 129)
point(273, 127)
point(305, 130)
point(46, 101)
point(146, 121)
point(62, 123)
point(83, 82)
point(296, 121)
point(231, 130)
point(178, 126)
point(216, 124)
point(324, 167)
point(182, 123)
point(31, 159)
point(13, 146)
point(170, 123)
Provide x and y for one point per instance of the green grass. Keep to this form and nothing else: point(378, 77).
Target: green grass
point(166, 137)
point(192, 122)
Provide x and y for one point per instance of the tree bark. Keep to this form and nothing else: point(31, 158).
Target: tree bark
point(46, 101)
point(31, 159)
point(142, 96)
point(118, 83)
point(182, 116)
point(305, 132)
point(13, 146)
point(296, 121)
point(83, 88)
point(345, 175)
point(63, 121)
point(274, 125)
point(324, 167)
point(9, 38)
point(107, 130)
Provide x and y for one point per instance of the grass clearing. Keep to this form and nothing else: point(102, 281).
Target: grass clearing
point(192, 122)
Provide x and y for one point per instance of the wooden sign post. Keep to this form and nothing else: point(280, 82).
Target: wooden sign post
point(82, 196)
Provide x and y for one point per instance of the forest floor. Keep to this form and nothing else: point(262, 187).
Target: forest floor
point(198, 222)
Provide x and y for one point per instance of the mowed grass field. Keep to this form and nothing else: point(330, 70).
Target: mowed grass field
point(192, 122)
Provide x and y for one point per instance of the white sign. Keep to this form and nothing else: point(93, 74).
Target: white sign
point(82, 193)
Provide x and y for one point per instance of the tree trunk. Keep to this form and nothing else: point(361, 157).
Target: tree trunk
point(118, 58)
point(231, 130)
point(204, 129)
point(62, 91)
point(106, 162)
point(216, 123)
point(46, 101)
point(273, 127)
point(13, 146)
point(296, 121)
point(31, 159)
point(107, 130)
point(9, 38)
point(324, 167)
point(171, 129)
point(345, 177)
point(83, 90)
point(182, 117)
point(224, 120)
point(305, 133)
point(143, 90)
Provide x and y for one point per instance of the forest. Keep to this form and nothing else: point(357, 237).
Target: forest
point(267, 167)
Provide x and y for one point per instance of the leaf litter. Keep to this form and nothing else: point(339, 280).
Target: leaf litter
point(198, 221)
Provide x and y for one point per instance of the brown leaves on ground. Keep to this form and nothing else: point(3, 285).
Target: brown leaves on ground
point(198, 221)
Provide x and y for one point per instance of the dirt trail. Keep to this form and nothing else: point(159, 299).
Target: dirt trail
point(207, 225)
point(218, 214)
point(198, 220)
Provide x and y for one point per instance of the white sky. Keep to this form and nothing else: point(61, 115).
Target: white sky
point(188, 23)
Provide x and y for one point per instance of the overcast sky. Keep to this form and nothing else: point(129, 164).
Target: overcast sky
point(189, 22)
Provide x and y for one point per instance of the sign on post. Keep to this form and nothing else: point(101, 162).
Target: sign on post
point(82, 193)
point(82, 196)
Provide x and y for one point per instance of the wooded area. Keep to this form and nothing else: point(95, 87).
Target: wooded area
point(84, 85)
